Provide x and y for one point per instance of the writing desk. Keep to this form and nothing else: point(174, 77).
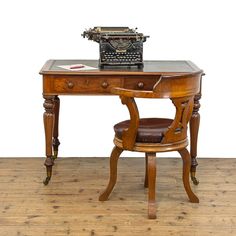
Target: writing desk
point(58, 81)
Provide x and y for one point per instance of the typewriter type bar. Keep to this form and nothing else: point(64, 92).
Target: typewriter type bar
point(118, 46)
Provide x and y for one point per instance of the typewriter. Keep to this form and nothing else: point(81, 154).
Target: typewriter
point(118, 46)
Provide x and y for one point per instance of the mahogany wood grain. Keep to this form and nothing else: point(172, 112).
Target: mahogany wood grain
point(48, 126)
point(194, 128)
point(173, 138)
point(113, 173)
point(129, 135)
point(178, 129)
point(186, 169)
point(151, 157)
point(146, 171)
point(58, 81)
point(56, 141)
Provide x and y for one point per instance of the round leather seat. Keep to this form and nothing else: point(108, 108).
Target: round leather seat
point(150, 130)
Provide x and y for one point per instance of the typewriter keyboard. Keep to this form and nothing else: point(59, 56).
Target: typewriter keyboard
point(121, 58)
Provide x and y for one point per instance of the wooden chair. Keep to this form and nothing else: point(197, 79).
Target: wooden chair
point(152, 135)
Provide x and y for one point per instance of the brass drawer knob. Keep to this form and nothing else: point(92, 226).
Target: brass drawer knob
point(104, 84)
point(140, 85)
point(70, 85)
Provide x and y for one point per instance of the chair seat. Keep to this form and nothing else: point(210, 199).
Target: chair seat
point(150, 130)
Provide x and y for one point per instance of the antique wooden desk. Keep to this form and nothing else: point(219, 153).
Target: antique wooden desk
point(58, 81)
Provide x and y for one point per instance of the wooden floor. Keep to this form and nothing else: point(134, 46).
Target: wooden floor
point(69, 204)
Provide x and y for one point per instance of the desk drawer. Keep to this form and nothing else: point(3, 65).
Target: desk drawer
point(140, 82)
point(61, 84)
point(82, 85)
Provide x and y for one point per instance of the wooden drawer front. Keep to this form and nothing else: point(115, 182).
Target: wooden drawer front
point(142, 82)
point(84, 85)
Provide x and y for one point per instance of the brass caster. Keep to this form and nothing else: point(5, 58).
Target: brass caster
point(55, 155)
point(194, 180)
point(46, 181)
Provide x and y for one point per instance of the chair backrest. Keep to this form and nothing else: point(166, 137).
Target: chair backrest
point(181, 89)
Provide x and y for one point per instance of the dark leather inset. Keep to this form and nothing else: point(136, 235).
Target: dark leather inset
point(150, 130)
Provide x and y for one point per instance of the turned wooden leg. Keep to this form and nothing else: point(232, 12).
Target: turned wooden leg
point(56, 141)
point(146, 171)
point(194, 127)
point(186, 169)
point(48, 127)
point(151, 159)
point(113, 173)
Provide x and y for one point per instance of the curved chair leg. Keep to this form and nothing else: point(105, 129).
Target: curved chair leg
point(186, 169)
point(113, 173)
point(146, 171)
point(151, 160)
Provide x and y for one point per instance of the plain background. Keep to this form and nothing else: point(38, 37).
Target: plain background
point(32, 32)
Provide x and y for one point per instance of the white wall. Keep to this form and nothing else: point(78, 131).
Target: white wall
point(32, 32)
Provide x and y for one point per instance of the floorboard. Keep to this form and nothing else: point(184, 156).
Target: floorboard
point(69, 204)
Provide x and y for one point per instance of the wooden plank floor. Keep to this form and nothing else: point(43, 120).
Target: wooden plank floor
point(69, 204)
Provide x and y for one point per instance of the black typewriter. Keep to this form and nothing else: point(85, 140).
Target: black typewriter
point(118, 46)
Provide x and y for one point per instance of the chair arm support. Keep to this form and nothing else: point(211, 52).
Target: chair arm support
point(177, 131)
point(133, 93)
point(129, 135)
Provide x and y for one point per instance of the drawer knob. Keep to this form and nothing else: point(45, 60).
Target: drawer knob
point(140, 85)
point(70, 85)
point(104, 84)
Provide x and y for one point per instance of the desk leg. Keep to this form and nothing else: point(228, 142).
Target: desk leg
point(56, 141)
point(194, 127)
point(48, 118)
